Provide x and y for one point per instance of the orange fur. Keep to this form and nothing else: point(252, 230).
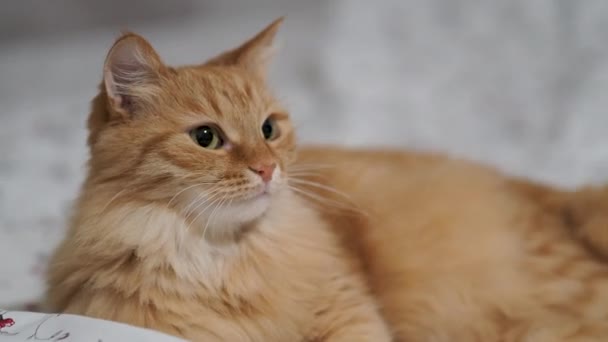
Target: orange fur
point(456, 251)
point(174, 237)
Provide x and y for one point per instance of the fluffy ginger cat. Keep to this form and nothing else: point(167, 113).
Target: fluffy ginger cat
point(185, 223)
point(198, 219)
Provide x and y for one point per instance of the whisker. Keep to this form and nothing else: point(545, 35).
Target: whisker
point(320, 186)
point(186, 188)
point(209, 200)
point(212, 216)
point(204, 198)
point(317, 171)
point(198, 174)
point(200, 197)
point(217, 200)
point(197, 199)
point(321, 199)
point(227, 205)
point(329, 202)
point(306, 174)
point(125, 190)
point(309, 166)
point(180, 192)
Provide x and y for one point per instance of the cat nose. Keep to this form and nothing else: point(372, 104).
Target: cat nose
point(264, 170)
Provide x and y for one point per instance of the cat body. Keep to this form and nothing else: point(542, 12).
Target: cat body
point(456, 251)
point(199, 218)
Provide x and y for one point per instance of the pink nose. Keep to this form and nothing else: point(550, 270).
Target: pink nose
point(264, 170)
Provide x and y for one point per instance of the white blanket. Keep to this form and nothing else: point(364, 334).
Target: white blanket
point(26, 326)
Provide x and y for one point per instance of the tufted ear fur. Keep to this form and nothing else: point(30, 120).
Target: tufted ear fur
point(253, 55)
point(131, 71)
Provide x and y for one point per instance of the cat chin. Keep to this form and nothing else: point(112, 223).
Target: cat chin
point(231, 218)
point(241, 212)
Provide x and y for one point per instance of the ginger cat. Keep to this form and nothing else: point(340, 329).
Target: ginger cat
point(185, 223)
point(198, 219)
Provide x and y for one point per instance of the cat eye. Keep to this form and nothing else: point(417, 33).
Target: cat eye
point(207, 137)
point(270, 129)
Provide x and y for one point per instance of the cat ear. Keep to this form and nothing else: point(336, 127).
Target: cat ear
point(253, 55)
point(130, 73)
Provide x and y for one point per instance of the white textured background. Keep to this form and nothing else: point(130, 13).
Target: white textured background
point(518, 84)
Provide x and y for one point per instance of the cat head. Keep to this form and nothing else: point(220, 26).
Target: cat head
point(208, 140)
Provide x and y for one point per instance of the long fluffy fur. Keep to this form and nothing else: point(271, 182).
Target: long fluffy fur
point(456, 251)
point(174, 237)
point(348, 245)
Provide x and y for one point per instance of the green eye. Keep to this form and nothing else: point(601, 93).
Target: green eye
point(270, 129)
point(207, 137)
